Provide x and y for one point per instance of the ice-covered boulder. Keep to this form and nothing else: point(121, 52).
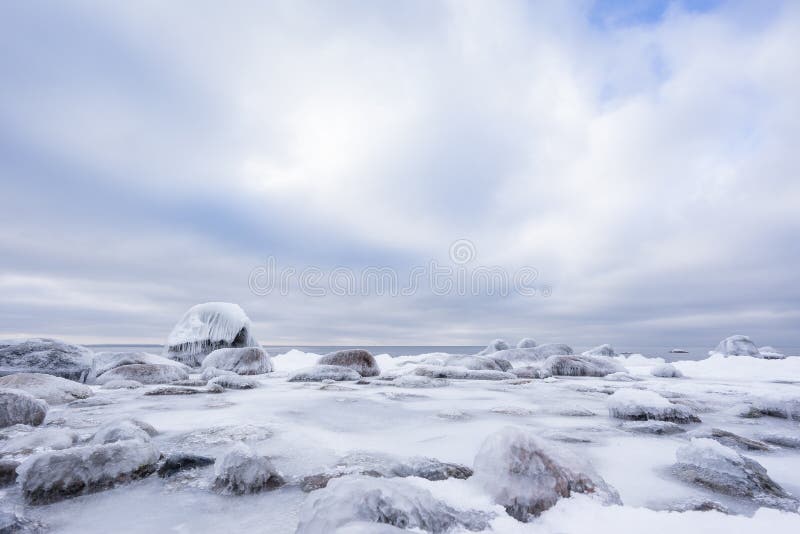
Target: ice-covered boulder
point(417, 381)
point(782, 406)
point(242, 361)
point(666, 370)
point(478, 363)
point(526, 343)
point(729, 439)
point(234, 382)
point(51, 389)
point(788, 441)
point(494, 346)
point(737, 346)
point(660, 428)
point(241, 470)
point(572, 365)
point(207, 327)
point(770, 353)
point(359, 360)
point(19, 407)
point(124, 429)
point(712, 465)
point(527, 477)
point(105, 361)
point(145, 373)
point(382, 502)
point(318, 373)
point(600, 350)
point(44, 355)
point(460, 373)
point(177, 462)
point(41, 439)
point(534, 354)
point(122, 384)
point(213, 372)
point(52, 476)
point(643, 405)
point(13, 523)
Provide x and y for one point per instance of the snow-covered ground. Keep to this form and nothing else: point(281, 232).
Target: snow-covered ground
point(307, 428)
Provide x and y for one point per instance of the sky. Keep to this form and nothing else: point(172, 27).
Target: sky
point(640, 156)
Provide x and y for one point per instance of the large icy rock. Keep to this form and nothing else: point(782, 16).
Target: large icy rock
point(527, 477)
point(52, 389)
point(56, 475)
point(600, 350)
point(105, 361)
point(241, 470)
point(643, 405)
point(177, 462)
point(534, 354)
point(572, 365)
point(729, 439)
point(719, 468)
point(19, 407)
point(494, 346)
point(462, 373)
point(478, 363)
point(737, 346)
point(666, 370)
point(242, 361)
point(207, 327)
point(382, 502)
point(359, 360)
point(318, 373)
point(769, 353)
point(526, 343)
point(124, 429)
point(43, 355)
point(145, 373)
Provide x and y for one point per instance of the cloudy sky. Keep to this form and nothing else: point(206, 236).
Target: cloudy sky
point(641, 156)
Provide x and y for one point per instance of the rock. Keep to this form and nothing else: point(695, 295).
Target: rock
point(526, 343)
point(207, 327)
point(780, 406)
point(106, 361)
point(241, 470)
point(318, 373)
point(11, 523)
point(124, 429)
point(417, 381)
point(643, 405)
point(712, 465)
point(494, 346)
point(51, 389)
point(44, 355)
point(699, 505)
point(52, 476)
point(737, 346)
point(478, 363)
point(19, 407)
point(44, 439)
point(382, 502)
point(145, 373)
point(177, 462)
point(600, 350)
point(191, 382)
point(91, 402)
point(729, 439)
point(534, 354)
point(571, 365)
point(242, 361)
point(769, 353)
point(460, 373)
point(122, 384)
point(8, 473)
point(666, 370)
point(213, 372)
point(679, 351)
point(660, 428)
point(526, 477)
point(531, 371)
point(359, 360)
point(175, 390)
point(234, 382)
point(782, 440)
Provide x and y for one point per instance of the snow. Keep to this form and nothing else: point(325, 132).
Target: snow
point(51, 389)
point(45, 355)
point(243, 361)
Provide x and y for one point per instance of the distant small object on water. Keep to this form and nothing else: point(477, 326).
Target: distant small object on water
point(679, 351)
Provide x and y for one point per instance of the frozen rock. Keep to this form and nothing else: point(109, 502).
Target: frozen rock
point(177, 462)
point(383, 502)
point(526, 477)
point(191, 382)
point(207, 327)
point(719, 468)
point(435, 371)
point(224, 435)
point(44, 355)
point(43, 439)
point(122, 384)
point(52, 476)
point(601, 350)
point(124, 429)
point(241, 470)
point(213, 372)
point(531, 371)
point(729, 439)
point(534, 354)
point(699, 505)
point(8, 473)
point(12, 523)
point(494, 346)
point(478, 363)
point(234, 382)
point(177, 390)
point(786, 441)
point(51, 389)
point(242, 361)
point(666, 370)
point(359, 360)
point(660, 428)
point(526, 343)
point(19, 407)
point(417, 381)
point(146, 373)
point(318, 373)
point(776, 405)
point(572, 365)
point(643, 405)
point(769, 353)
point(622, 376)
point(737, 346)
point(105, 361)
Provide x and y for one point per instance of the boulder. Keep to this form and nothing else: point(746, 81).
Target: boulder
point(44, 355)
point(51, 389)
point(242, 361)
point(534, 354)
point(124, 429)
point(145, 373)
point(572, 365)
point(666, 370)
point(359, 360)
point(122, 384)
point(643, 405)
point(178, 462)
point(213, 372)
point(12, 523)
point(234, 382)
point(105, 361)
point(318, 373)
point(19, 407)
point(478, 363)
point(729, 439)
point(241, 471)
point(787, 441)
point(207, 327)
point(737, 346)
point(601, 350)
point(660, 428)
point(526, 343)
point(42, 439)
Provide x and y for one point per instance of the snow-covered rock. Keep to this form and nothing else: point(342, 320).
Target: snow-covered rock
point(103, 362)
point(124, 429)
point(382, 502)
point(769, 353)
point(241, 470)
point(527, 477)
point(660, 428)
point(572, 365)
point(729, 439)
point(242, 361)
point(359, 360)
point(44, 355)
point(494, 346)
point(526, 343)
point(775, 405)
point(56, 475)
point(666, 370)
point(417, 381)
point(531, 371)
point(534, 354)
point(318, 373)
point(478, 363)
point(643, 405)
point(176, 462)
point(145, 373)
point(600, 350)
point(122, 384)
point(213, 372)
point(19, 407)
point(435, 371)
point(207, 327)
point(234, 382)
point(41, 439)
point(737, 346)
point(719, 468)
point(51, 389)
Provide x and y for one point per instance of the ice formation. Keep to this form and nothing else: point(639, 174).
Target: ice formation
point(19, 407)
point(769, 353)
point(177, 462)
point(526, 343)
point(42, 439)
point(534, 354)
point(435, 371)
point(241, 470)
point(105, 361)
point(234, 382)
point(208, 327)
point(212, 372)
point(121, 430)
point(572, 365)
point(242, 361)
point(601, 350)
point(359, 360)
point(729, 439)
point(643, 405)
point(666, 370)
point(494, 346)
point(318, 373)
point(145, 373)
point(44, 355)
point(478, 363)
point(737, 346)
point(52, 389)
